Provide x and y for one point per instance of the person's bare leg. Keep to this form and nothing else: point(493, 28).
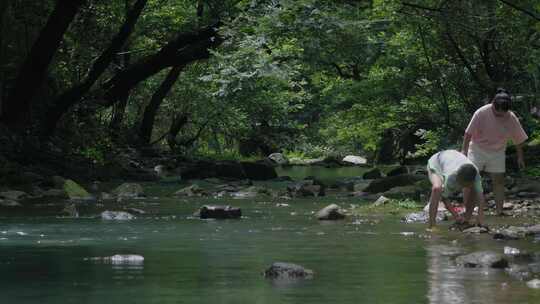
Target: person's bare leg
point(498, 191)
point(468, 201)
point(481, 201)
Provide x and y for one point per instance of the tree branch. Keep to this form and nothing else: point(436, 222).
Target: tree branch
point(526, 12)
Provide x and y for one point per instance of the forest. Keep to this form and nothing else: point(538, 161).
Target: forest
point(390, 80)
point(229, 79)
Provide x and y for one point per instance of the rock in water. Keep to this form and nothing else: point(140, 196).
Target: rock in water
point(127, 259)
point(534, 284)
point(280, 270)
point(116, 215)
point(381, 201)
point(330, 212)
point(511, 251)
point(422, 217)
point(482, 259)
point(129, 190)
point(219, 212)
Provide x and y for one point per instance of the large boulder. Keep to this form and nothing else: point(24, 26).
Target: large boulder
point(258, 170)
point(280, 270)
point(219, 212)
point(278, 158)
point(129, 190)
point(9, 203)
point(403, 192)
point(397, 171)
point(387, 183)
point(75, 191)
point(13, 195)
point(208, 169)
point(485, 259)
point(511, 233)
point(355, 160)
point(372, 174)
point(330, 212)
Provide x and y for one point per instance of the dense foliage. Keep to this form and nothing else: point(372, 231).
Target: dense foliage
point(386, 78)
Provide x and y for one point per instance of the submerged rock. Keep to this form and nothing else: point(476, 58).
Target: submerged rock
point(190, 191)
point(511, 233)
point(482, 259)
point(305, 188)
point(71, 211)
point(280, 270)
point(124, 259)
point(422, 217)
point(219, 212)
point(129, 190)
point(330, 212)
point(476, 230)
point(116, 215)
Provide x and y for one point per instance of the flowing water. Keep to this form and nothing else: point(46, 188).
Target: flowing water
point(366, 259)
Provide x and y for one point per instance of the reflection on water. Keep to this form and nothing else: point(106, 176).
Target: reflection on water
point(449, 283)
point(170, 257)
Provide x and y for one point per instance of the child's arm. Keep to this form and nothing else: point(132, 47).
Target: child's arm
point(435, 197)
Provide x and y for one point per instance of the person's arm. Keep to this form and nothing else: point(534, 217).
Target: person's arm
point(435, 197)
point(520, 160)
point(466, 140)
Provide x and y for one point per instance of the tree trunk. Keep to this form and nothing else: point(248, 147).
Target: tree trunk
point(33, 72)
point(177, 124)
point(3, 9)
point(119, 109)
point(184, 49)
point(69, 98)
point(147, 125)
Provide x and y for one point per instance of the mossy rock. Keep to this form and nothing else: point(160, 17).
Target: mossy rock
point(75, 191)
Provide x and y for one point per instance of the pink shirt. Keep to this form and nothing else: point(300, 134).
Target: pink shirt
point(492, 132)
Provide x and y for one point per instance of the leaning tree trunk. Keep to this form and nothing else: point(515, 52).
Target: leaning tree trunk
point(184, 49)
point(147, 125)
point(3, 9)
point(179, 121)
point(119, 108)
point(16, 112)
point(69, 98)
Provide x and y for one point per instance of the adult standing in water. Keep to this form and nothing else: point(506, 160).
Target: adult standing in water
point(486, 137)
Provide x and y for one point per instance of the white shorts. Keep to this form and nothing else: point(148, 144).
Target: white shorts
point(487, 161)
